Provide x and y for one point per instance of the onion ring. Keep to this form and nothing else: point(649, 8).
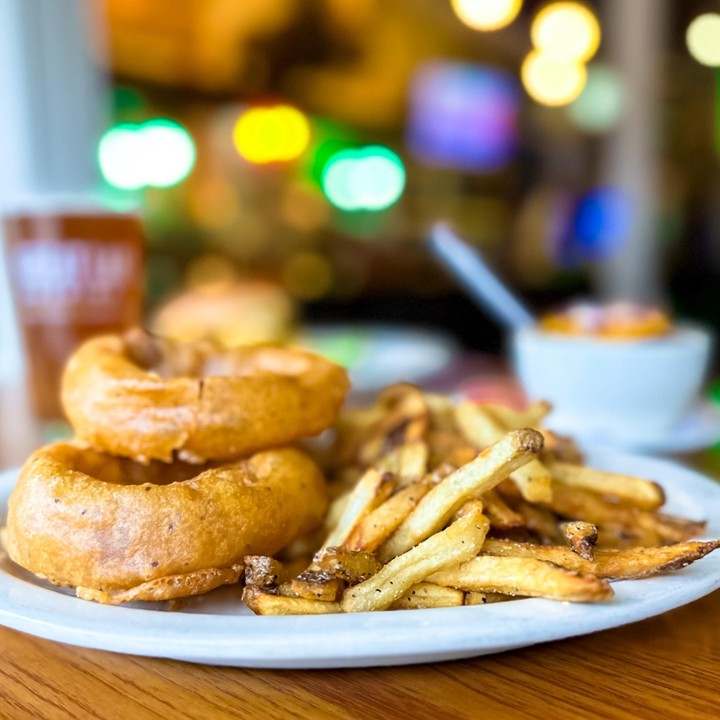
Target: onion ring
point(117, 531)
point(145, 398)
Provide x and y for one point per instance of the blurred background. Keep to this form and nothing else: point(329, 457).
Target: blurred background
point(287, 158)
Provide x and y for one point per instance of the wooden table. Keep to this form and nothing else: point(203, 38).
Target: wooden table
point(664, 667)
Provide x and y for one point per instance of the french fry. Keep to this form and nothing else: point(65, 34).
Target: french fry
point(541, 522)
point(351, 566)
point(526, 576)
point(482, 428)
point(460, 541)
point(559, 448)
point(378, 525)
point(582, 537)
point(262, 602)
point(372, 489)
point(623, 564)
point(577, 503)
point(511, 419)
point(634, 491)
point(263, 572)
point(502, 516)
point(407, 462)
point(478, 598)
point(427, 595)
point(478, 476)
point(441, 412)
point(317, 585)
point(405, 421)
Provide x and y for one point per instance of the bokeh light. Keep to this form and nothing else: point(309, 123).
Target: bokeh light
point(169, 152)
point(703, 39)
point(603, 221)
point(551, 81)
point(157, 153)
point(463, 116)
point(370, 178)
point(120, 157)
point(486, 14)
point(566, 31)
point(271, 134)
point(600, 104)
point(307, 275)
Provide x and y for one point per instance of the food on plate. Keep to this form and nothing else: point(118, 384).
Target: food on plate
point(117, 531)
point(145, 398)
point(616, 321)
point(430, 510)
point(229, 313)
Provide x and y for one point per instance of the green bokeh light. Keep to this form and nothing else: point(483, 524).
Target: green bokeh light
point(157, 153)
point(370, 178)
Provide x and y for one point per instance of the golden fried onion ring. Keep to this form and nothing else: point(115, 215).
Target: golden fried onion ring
point(106, 527)
point(146, 398)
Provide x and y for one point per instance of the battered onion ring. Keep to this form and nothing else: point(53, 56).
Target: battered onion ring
point(148, 399)
point(103, 526)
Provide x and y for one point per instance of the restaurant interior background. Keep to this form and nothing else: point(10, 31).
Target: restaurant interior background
point(312, 144)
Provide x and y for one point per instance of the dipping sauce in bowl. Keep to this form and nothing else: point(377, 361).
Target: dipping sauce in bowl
point(612, 372)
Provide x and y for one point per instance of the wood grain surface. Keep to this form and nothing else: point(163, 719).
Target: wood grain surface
point(666, 667)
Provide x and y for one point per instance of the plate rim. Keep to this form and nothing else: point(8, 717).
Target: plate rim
point(351, 640)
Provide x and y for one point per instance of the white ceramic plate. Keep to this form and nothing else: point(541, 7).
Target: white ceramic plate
point(377, 355)
point(699, 429)
point(218, 630)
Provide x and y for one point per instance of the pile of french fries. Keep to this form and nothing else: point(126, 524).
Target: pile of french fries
point(439, 505)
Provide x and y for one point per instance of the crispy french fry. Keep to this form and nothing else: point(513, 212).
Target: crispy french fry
point(317, 585)
point(262, 571)
point(427, 595)
point(577, 503)
point(337, 508)
point(285, 590)
point(482, 428)
point(623, 564)
point(262, 602)
point(581, 536)
point(559, 448)
point(405, 420)
point(502, 516)
point(523, 576)
point(470, 507)
point(378, 525)
point(460, 541)
point(441, 412)
point(407, 462)
point(634, 491)
point(478, 598)
point(351, 566)
point(541, 522)
point(512, 419)
point(478, 476)
point(372, 489)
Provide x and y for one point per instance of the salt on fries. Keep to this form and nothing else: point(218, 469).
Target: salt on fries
point(469, 505)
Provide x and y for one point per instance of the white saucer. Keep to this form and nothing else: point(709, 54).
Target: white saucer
point(380, 354)
point(698, 430)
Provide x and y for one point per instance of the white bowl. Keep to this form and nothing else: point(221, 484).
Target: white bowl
point(626, 389)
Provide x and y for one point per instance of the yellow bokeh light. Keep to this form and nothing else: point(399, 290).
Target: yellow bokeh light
point(271, 134)
point(486, 14)
point(566, 31)
point(703, 39)
point(550, 81)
